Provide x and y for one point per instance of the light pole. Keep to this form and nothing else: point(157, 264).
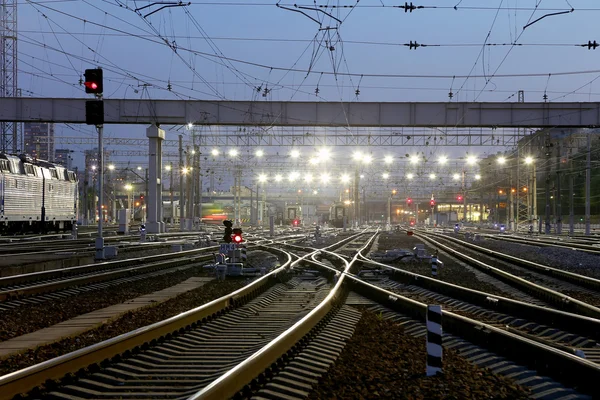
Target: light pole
point(389, 218)
point(262, 178)
point(533, 192)
point(111, 169)
point(471, 160)
point(129, 191)
point(169, 168)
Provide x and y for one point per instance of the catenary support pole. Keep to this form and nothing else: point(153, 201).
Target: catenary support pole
point(181, 191)
point(588, 179)
point(100, 238)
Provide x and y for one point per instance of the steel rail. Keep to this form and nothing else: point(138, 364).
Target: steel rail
point(559, 365)
point(577, 323)
point(545, 243)
point(98, 277)
point(582, 280)
point(236, 378)
point(14, 280)
point(558, 299)
point(22, 381)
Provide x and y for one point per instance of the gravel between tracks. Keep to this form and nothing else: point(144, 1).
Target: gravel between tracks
point(452, 271)
point(126, 323)
point(381, 362)
point(30, 318)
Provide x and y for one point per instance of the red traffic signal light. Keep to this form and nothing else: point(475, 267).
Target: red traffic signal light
point(236, 235)
point(93, 81)
point(432, 202)
point(409, 201)
point(459, 198)
point(296, 222)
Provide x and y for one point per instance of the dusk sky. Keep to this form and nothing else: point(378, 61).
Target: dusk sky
point(235, 50)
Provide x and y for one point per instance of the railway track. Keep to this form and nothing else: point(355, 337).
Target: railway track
point(573, 244)
point(552, 286)
point(240, 300)
point(272, 338)
point(38, 287)
point(87, 245)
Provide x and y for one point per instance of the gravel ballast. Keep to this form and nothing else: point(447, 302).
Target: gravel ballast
point(452, 271)
point(381, 362)
point(32, 317)
point(126, 323)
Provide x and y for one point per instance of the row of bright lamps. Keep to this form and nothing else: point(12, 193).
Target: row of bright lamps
point(345, 178)
point(325, 178)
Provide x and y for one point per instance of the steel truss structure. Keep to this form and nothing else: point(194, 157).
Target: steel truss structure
point(309, 137)
point(9, 132)
point(317, 114)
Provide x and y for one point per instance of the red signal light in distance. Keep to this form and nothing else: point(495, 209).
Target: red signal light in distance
point(237, 238)
point(432, 202)
point(296, 222)
point(91, 85)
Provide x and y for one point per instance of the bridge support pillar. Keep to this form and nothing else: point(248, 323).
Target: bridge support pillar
point(154, 202)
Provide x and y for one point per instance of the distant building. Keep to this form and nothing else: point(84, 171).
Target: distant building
point(38, 139)
point(63, 157)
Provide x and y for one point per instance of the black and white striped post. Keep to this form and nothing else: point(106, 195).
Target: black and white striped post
point(434, 340)
point(244, 254)
point(434, 265)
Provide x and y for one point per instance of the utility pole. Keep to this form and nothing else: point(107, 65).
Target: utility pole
point(548, 157)
point(171, 191)
point(199, 182)
point(558, 205)
point(510, 194)
point(181, 192)
point(464, 190)
point(188, 184)
point(516, 229)
point(100, 239)
point(356, 198)
point(146, 197)
point(571, 185)
point(588, 180)
point(534, 199)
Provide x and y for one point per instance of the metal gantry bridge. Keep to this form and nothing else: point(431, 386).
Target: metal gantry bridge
point(251, 124)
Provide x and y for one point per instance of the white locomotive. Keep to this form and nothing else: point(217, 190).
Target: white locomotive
point(36, 195)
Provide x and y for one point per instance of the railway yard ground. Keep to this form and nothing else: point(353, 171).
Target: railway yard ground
point(382, 361)
point(325, 322)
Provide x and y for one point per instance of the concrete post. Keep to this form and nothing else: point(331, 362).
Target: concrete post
point(154, 201)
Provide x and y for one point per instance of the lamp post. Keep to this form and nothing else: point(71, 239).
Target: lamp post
point(389, 219)
point(533, 192)
point(129, 191)
point(169, 168)
point(111, 169)
point(262, 178)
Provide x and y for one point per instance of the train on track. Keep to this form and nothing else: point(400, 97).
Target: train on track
point(337, 214)
point(36, 196)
